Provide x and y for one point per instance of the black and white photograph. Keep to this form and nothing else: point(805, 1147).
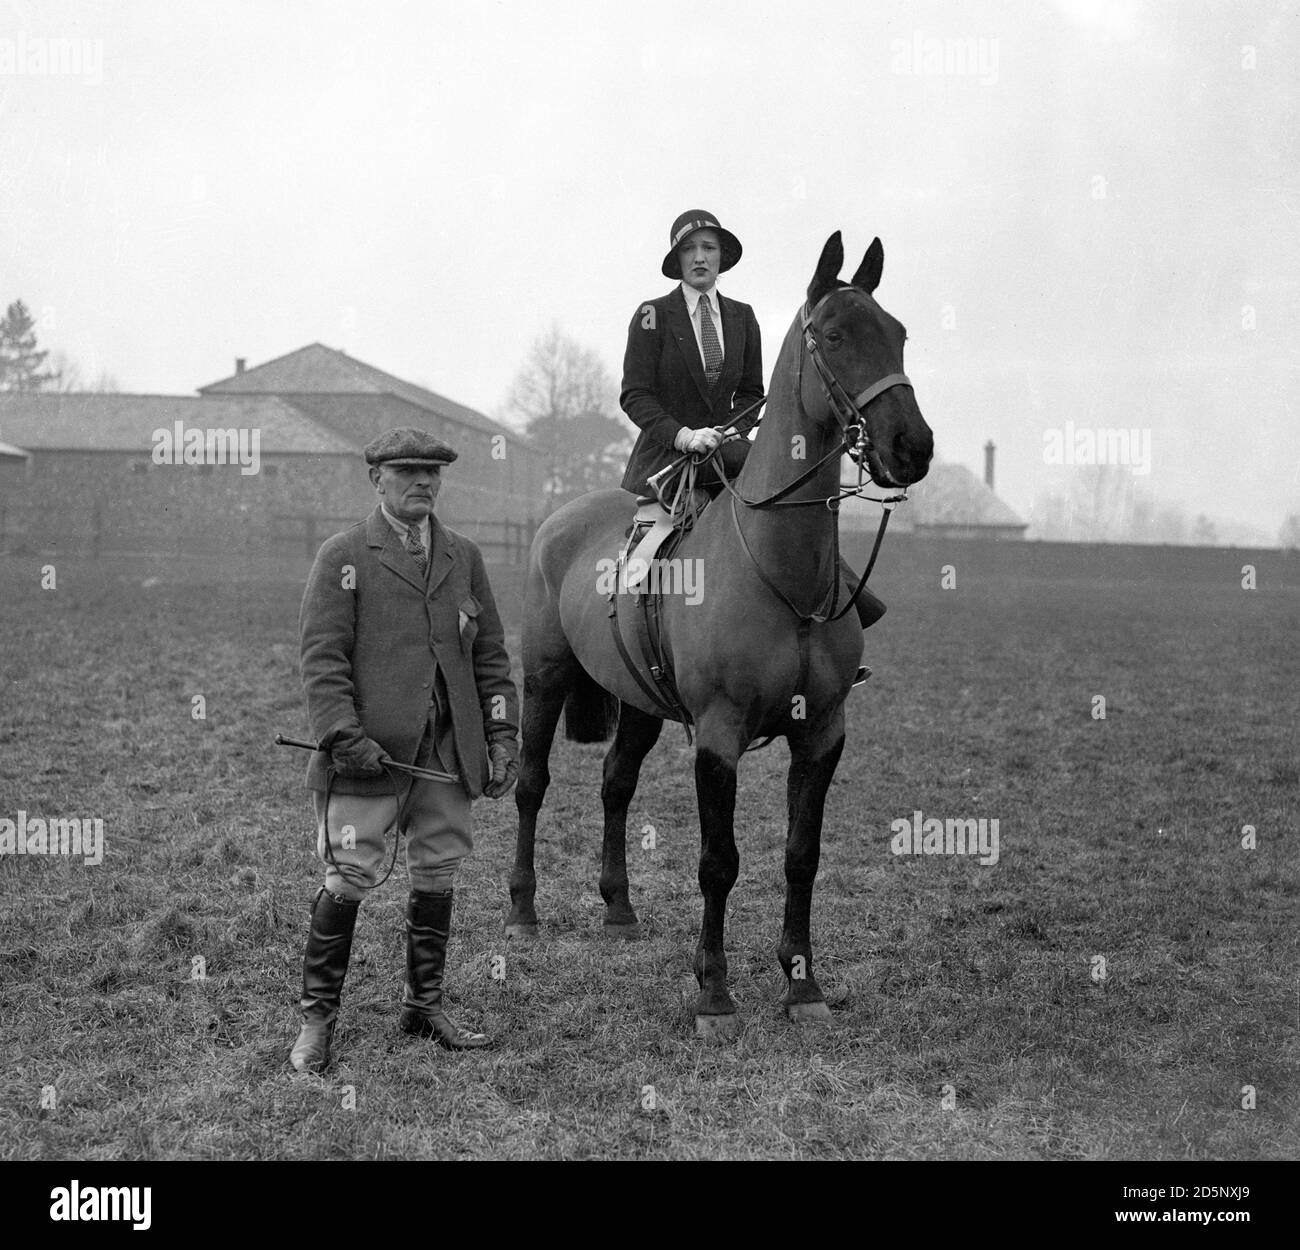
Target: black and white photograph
point(677, 583)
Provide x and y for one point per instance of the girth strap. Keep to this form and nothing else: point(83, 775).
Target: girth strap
point(626, 656)
point(648, 623)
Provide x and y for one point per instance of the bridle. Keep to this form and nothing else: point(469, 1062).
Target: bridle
point(850, 413)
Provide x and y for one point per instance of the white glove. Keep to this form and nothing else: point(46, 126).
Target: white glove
point(697, 442)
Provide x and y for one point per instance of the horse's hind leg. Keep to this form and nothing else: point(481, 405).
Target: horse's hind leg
point(812, 765)
point(544, 694)
point(638, 731)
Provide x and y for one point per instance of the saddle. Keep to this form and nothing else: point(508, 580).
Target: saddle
point(678, 502)
point(656, 532)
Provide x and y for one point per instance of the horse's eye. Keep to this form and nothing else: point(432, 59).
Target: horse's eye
point(834, 337)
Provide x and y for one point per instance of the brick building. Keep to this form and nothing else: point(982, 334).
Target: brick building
point(312, 412)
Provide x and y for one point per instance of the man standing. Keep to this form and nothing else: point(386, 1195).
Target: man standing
point(403, 659)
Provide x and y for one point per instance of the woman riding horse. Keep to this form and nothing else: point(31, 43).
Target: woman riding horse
point(768, 652)
point(694, 361)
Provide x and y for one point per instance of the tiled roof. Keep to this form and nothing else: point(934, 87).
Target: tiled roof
point(949, 495)
point(360, 418)
point(317, 369)
point(952, 495)
point(108, 422)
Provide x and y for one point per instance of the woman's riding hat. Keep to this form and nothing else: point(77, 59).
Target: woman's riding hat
point(688, 223)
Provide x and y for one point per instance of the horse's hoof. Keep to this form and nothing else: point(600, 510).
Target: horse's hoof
point(629, 932)
point(526, 932)
point(809, 1013)
point(716, 1028)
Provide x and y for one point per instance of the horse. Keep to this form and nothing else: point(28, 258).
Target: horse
point(761, 652)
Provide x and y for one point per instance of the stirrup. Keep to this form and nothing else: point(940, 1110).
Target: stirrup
point(638, 531)
point(645, 545)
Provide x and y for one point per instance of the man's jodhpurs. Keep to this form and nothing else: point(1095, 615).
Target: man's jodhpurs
point(435, 817)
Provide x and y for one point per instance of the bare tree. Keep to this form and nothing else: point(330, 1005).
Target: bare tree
point(69, 379)
point(565, 399)
point(67, 373)
point(1100, 503)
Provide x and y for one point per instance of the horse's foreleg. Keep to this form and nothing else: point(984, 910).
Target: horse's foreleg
point(638, 731)
point(544, 693)
point(715, 788)
point(812, 765)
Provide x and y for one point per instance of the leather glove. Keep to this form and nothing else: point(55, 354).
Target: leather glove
point(504, 757)
point(708, 438)
point(358, 756)
point(682, 439)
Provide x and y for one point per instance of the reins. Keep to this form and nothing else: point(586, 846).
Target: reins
point(851, 411)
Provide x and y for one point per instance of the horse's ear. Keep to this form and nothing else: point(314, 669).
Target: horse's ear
point(868, 275)
point(828, 269)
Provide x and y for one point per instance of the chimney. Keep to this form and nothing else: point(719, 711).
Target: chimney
point(988, 463)
point(240, 362)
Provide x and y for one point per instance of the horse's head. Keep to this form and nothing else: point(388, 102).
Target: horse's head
point(858, 379)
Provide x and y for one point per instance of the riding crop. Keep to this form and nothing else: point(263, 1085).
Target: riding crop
point(424, 774)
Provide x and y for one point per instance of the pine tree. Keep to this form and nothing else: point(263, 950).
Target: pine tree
point(21, 362)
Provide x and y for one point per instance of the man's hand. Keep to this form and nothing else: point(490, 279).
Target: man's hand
point(504, 757)
point(358, 757)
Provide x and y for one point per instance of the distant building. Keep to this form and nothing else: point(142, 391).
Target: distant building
point(81, 470)
point(950, 502)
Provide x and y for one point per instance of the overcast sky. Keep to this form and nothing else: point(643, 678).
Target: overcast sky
point(1093, 221)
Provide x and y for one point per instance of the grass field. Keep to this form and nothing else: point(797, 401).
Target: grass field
point(970, 1018)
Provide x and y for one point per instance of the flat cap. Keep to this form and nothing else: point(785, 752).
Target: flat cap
point(409, 446)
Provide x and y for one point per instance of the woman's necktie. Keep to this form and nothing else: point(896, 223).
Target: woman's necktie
point(712, 348)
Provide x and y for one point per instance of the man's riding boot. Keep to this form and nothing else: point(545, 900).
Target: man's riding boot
point(428, 926)
point(325, 964)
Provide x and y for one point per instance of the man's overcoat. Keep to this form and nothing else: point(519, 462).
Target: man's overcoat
point(376, 637)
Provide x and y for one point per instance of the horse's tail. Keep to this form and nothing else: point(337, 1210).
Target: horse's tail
point(590, 711)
